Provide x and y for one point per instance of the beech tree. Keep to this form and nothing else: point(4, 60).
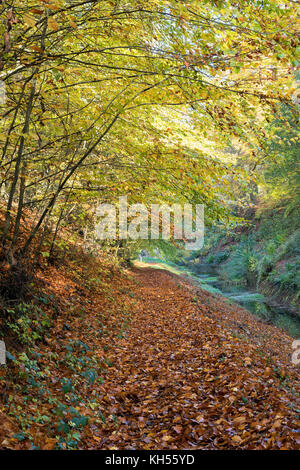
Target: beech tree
point(133, 97)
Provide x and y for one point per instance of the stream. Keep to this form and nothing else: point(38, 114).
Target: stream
point(256, 303)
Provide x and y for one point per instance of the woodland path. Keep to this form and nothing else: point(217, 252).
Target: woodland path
point(193, 372)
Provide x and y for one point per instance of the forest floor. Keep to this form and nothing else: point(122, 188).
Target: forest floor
point(142, 359)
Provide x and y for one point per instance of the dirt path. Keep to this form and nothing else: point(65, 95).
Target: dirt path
point(183, 377)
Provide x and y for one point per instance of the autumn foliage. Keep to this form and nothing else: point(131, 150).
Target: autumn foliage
point(164, 102)
point(143, 360)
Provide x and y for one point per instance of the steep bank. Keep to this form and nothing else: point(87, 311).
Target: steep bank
point(139, 359)
point(262, 255)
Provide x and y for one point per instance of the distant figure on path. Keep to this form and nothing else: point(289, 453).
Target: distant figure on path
point(141, 254)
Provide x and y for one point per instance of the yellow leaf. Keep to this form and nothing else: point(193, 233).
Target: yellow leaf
point(247, 361)
point(37, 48)
point(200, 419)
point(53, 24)
point(29, 20)
point(239, 420)
point(51, 6)
point(236, 439)
point(268, 371)
point(50, 444)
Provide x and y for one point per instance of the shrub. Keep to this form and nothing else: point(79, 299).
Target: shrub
point(28, 322)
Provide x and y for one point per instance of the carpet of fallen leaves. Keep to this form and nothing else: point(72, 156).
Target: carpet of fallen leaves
point(142, 359)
